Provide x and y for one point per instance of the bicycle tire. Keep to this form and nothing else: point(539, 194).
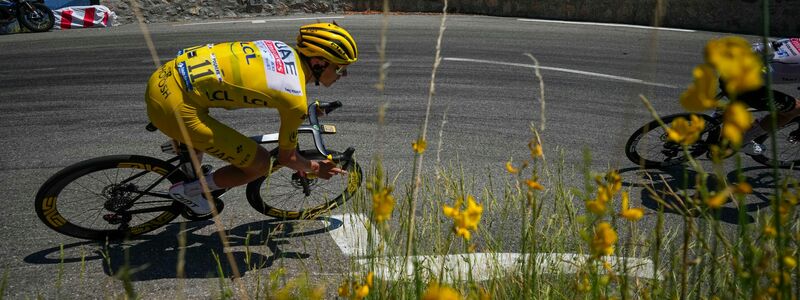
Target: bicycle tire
point(104, 195)
point(787, 145)
point(286, 199)
point(662, 153)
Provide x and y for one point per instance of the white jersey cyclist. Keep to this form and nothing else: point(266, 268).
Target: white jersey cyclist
point(784, 65)
point(783, 57)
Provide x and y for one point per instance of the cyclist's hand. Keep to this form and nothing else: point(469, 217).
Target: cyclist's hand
point(327, 169)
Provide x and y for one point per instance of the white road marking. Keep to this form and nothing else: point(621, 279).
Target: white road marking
point(352, 239)
point(262, 21)
point(606, 24)
point(485, 266)
point(607, 76)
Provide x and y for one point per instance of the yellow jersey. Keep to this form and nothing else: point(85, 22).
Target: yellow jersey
point(247, 75)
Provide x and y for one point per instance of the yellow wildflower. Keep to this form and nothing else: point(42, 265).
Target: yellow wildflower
point(736, 121)
point(770, 231)
point(718, 199)
point(596, 206)
point(632, 214)
point(789, 197)
point(789, 262)
point(510, 168)
point(604, 194)
point(440, 292)
point(784, 209)
point(472, 216)
point(702, 94)
point(614, 181)
point(583, 284)
point(738, 66)
point(419, 146)
point(604, 239)
point(534, 185)
point(344, 289)
point(370, 277)
point(361, 292)
point(451, 212)
point(536, 149)
point(686, 132)
point(382, 205)
point(772, 291)
point(464, 221)
point(743, 188)
point(484, 294)
point(463, 232)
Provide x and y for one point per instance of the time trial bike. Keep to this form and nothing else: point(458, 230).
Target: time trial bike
point(121, 196)
point(649, 146)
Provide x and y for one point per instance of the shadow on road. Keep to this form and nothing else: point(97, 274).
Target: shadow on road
point(157, 256)
point(672, 186)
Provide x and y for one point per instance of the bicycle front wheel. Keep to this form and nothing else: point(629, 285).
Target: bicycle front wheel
point(288, 196)
point(650, 147)
point(111, 197)
point(787, 141)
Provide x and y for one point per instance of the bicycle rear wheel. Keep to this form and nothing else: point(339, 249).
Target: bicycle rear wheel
point(286, 195)
point(111, 197)
point(787, 140)
point(649, 147)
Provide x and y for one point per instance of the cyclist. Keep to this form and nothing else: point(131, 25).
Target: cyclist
point(234, 75)
point(784, 67)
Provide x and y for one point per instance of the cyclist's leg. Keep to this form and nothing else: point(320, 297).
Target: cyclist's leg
point(168, 111)
point(787, 109)
point(247, 159)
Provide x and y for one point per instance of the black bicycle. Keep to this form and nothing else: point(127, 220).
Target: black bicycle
point(649, 146)
point(121, 196)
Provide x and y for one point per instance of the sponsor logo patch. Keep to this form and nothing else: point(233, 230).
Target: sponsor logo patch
point(280, 67)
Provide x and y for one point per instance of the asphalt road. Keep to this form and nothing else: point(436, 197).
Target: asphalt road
point(72, 95)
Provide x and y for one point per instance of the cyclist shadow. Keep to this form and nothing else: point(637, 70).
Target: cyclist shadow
point(157, 256)
point(670, 187)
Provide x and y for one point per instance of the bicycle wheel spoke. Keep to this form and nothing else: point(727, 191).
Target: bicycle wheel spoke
point(788, 153)
point(286, 196)
point(650, 146)
point(87, 199)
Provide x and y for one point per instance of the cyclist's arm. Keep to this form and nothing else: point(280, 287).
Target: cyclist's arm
point(291, 118)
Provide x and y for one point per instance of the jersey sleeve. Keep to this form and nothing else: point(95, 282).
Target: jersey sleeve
point(292, 114)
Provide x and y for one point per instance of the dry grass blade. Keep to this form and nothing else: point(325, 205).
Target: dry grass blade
point(195, 161)
point(541, 87)
point(423, 134)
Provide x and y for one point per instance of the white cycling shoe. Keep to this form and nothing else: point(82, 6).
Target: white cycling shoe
point(752, 148)
point(197, 204)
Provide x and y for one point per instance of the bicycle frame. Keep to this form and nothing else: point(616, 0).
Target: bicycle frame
point(314, 128)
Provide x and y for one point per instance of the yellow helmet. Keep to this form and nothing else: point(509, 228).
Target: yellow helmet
point(328, 41)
